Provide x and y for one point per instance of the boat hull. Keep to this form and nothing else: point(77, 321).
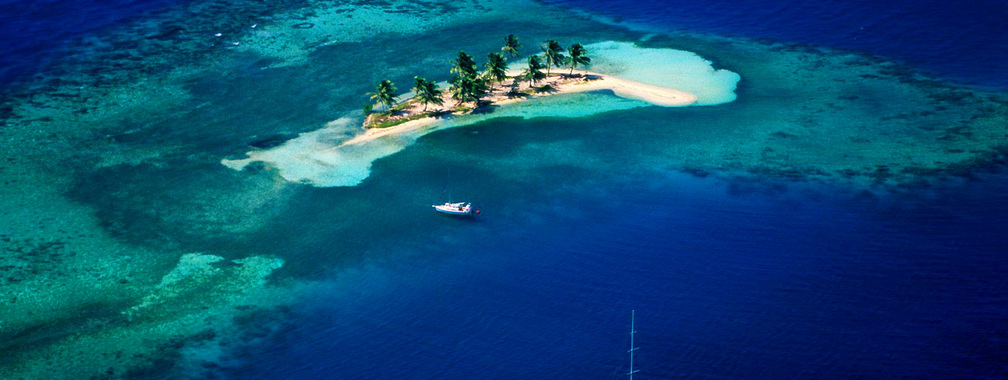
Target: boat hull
point(460, 209)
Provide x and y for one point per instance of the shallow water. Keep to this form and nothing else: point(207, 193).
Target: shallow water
point(842, 217)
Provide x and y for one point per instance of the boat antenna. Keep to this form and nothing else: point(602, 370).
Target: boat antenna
point(632, 348)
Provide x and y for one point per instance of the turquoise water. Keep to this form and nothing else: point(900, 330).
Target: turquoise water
point(834, 215)
point(329, 157)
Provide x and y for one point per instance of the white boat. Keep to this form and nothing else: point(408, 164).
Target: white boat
point(457, 208)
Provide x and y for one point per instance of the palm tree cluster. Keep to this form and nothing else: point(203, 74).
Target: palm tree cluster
point(427, 92)
point(468, 84)
point(553, 54)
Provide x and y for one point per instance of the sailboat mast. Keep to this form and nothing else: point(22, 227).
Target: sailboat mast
point(632, 348)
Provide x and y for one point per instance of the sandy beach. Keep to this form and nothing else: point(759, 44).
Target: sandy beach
point(557, 83)
point(322, 158)
point(341, 153)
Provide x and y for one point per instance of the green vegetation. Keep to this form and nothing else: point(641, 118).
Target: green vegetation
point(553, 53)
point(467, 84)
point(578, 56)
point(384, 94)
point(469, 89)
point(465, 67)
point(385, 122)
point(511, 45)
point(496, 68)
point(427, 92)
point(534, 71)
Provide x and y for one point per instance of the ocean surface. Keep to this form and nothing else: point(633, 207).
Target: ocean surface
point(956, 41)
point(729, 276)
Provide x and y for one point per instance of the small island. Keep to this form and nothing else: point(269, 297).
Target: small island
point(553, 72)
point(341, 152)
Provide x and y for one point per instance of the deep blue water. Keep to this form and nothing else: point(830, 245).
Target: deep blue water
point(808, 282)
point(728, 280)
point(960, 41)
point(36, 31)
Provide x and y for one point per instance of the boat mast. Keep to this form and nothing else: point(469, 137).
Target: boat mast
point(632, 348)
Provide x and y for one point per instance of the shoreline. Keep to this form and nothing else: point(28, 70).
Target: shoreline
point(558, 83)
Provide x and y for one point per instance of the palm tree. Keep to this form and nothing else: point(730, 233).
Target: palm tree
point(468, 89)
point(418, 84)
point(464, 66)
point(427, 92)
point(496, 67)
point(383, 94)
point(431, 94)
point(534, 71)
point(578, 56)
point(511, 45)
point(554, 54)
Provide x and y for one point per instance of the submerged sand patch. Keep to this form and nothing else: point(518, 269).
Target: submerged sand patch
point(196, 301)
point(75, 267)
point(318, 159)
point(808, 113)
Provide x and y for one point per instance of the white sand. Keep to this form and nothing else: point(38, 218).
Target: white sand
point(340, 154)
point(624, 88)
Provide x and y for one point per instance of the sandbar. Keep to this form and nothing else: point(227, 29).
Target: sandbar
point(570, 82)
